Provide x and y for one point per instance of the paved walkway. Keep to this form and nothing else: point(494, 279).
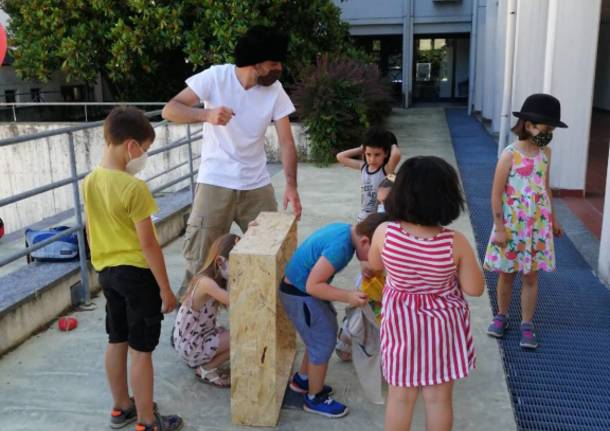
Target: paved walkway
point(55, 381)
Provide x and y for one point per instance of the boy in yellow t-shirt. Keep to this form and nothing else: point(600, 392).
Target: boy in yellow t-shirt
point(126, 254)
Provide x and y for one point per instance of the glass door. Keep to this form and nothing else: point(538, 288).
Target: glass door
point(441, 67)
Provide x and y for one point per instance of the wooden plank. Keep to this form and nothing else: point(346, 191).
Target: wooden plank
point(262, 338)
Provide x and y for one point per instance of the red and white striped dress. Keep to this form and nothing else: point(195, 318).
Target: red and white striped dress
point(425, 327)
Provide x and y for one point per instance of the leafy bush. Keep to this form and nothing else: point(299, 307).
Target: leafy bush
point(337, 99)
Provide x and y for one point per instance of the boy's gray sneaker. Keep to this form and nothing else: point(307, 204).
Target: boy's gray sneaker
point(528, 336)
point(498, 326)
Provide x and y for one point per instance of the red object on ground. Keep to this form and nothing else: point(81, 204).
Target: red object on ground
point(67, 323)
point(3, 45)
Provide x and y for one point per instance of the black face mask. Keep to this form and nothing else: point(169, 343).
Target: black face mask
point(269, 78)
point(542, 139)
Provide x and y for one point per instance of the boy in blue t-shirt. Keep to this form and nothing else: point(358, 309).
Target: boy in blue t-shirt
point(306, 294)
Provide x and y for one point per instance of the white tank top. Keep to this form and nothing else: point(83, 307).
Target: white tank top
point(368, 191)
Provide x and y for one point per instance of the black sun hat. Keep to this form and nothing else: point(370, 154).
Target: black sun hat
point(541, 109)
point(260, 44)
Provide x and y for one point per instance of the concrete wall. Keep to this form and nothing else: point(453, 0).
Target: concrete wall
point(446, 11)
point(362, 11)
point(601, 97)
point(358, 12)
point(36, 163)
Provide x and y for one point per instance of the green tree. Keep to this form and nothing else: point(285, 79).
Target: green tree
point(146, 48)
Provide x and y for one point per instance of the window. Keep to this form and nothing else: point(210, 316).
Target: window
point(35, 94)
point(73, 93)
point(9, 96)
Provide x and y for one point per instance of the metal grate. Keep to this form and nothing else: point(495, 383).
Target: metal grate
point(565, 383)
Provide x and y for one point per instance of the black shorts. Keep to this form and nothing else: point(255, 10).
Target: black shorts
point(133, 307)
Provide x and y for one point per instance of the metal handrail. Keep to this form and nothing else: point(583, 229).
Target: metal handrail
point(15, 105)
point(64, 130)
point(75, 178)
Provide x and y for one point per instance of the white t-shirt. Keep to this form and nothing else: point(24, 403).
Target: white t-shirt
point(233, 156)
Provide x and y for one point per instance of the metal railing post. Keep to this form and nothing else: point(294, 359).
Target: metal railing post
point(14, 114)
point(190, 154)
point(82, 251)
point(86, 119)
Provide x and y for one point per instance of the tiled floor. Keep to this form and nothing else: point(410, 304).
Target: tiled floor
point(590, 208)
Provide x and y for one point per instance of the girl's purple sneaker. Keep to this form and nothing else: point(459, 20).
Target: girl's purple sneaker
point(498, 326)
point(528, 336)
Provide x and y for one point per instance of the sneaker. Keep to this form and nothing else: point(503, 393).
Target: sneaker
point(120, 418)
point(528, 337)
point(163, 423)
point(301, 386)
point(498, 326)
point(325, 406)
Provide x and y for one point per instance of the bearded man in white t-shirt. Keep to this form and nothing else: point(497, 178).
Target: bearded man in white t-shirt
point(240, 101)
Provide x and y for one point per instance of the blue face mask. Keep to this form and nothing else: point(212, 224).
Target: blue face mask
point(381, 208)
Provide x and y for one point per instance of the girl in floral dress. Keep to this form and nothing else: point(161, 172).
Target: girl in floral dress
point(198, 340)
point(524, 221)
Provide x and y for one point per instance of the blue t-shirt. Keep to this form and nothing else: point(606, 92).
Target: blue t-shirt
point(333, 241)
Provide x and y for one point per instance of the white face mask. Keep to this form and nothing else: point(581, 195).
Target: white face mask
point(136, 165)
point(380, 208)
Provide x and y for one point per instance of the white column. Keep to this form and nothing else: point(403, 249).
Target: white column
point(571, 79)
point(473, 55)
point(407, 52)
point(604, 246)
point(500, 54)
point(509, 62)
point(489, 70)
point(530, 43)
point(479, 76)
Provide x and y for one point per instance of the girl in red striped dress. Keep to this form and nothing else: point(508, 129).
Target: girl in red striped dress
point(425, 329)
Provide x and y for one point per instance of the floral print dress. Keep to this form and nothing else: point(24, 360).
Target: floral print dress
point(527, 218)
point(196, 336)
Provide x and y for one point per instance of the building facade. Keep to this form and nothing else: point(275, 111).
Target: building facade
point(423, 46)
point(492, 54)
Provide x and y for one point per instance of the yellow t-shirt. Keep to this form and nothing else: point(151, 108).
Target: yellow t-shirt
point(114, 202)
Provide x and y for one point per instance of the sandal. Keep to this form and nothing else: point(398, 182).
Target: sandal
point(213, 377)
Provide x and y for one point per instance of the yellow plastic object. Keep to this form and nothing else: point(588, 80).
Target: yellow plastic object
point(373, 287)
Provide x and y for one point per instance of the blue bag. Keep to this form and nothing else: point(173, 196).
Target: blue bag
point(65, 248)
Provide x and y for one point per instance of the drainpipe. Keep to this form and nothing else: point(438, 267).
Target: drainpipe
point(508, 73)
point(473, 54)
point(551, 30)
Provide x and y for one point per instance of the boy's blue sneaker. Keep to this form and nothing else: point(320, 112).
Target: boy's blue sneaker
point(528, 336)
point(498, 326)
point(325, 406)
point(301, 386)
